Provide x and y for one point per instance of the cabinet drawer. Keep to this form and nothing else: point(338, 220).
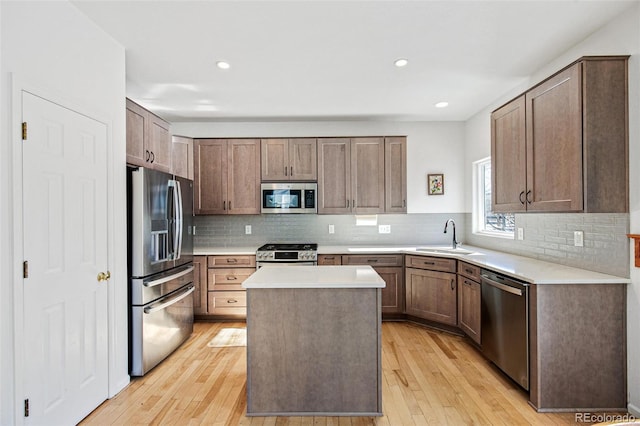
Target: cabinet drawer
point(227, 278)
point(373, 260)
point(431, 263)
point(242, 261)
point(329, 259)
point(469, 271)
point(227, 302)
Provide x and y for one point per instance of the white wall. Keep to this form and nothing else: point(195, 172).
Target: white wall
point(620, 37)
point(53, 49)
point(435, 147)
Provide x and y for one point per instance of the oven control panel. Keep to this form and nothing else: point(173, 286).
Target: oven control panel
point(287, 256)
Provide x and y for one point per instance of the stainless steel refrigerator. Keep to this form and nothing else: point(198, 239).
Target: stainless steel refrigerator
point(160, 253)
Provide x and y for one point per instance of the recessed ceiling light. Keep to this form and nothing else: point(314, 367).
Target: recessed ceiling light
point(442, 104)
point(401, 62)
point(223, 65)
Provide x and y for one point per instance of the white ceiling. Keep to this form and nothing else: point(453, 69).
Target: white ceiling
point(333, 60)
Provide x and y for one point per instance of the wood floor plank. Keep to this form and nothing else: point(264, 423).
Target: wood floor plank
point(429, 377)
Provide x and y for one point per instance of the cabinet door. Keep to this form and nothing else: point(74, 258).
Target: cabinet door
point(554, 143)
point(395, 171)
point(182, 157)
point(329, 259)
point(393, 293)
point(303, 154)
point(275, 159)
point(210, 176)
point(469, 310)
point(200, 283)
point(159, 143)
point(136, 131)
point(334, 175)
point(508, 157)
point(367, 175)
point(431, 295)
point(244, 176)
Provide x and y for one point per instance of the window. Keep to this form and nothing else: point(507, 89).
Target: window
point(485, 221)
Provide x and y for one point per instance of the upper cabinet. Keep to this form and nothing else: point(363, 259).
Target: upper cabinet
point(226, 176)
point(148, 139)
point(361, 175)
point(289, 159)
point(563, 145)
point(182, 157)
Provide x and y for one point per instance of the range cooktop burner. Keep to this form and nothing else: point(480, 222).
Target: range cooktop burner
point(288, 247)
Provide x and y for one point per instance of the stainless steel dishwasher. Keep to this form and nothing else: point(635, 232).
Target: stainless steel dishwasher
point(505, 325)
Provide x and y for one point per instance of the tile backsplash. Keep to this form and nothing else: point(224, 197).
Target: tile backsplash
point(547, 237)
point(412, 229)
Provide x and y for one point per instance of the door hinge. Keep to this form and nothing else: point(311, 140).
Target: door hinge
point(25, 269)
point(26, 407)
point(24, 130)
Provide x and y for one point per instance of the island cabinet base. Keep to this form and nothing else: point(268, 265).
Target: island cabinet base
point(314, 351)
point(578, 347)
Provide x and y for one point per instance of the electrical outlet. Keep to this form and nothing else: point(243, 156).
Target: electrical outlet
point(384, 229)
point(578, 238)
point(332, 229)
point(521, 233)
point(247, 229)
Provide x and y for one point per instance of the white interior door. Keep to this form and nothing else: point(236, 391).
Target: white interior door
point(65, 244)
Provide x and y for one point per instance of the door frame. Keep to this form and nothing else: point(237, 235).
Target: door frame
point(20, 85)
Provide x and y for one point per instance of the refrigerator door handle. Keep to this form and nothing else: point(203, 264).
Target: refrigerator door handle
point(166, 302)
point(167, 279)
point(178, 221)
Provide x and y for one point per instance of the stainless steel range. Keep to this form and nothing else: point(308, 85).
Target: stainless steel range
point(287, 254)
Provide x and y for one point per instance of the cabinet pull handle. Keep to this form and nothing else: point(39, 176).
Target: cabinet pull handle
point(528, 193)
point(353, 203)
point(146, 158)
point(467, 282)
point(453, 284)
point(429, 263)
point(229, 205)
point(224, 205)
point(520, 198)
point(347, 203)
point(231, 278)
point(469, 271)
point(232, 301)
point(153, 156)
point(285, 170)
point(291, 171)
point(372, 260)
point(404, 203)
point(232, 260)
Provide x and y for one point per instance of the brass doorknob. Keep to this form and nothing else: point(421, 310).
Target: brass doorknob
point(104, 276)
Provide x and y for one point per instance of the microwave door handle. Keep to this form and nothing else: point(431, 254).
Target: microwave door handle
point(178, 220)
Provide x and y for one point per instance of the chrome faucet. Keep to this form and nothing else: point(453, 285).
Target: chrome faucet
point(454, 242)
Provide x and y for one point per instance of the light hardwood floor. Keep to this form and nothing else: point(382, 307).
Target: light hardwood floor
point(429, 377)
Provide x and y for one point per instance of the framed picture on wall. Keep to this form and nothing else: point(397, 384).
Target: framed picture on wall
point(435, 184)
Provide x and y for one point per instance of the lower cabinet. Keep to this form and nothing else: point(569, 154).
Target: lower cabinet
point(390, 268)
point(329, 259)
point(469, 298)
point(220, 285)
point(200, 283)
point(431, 290)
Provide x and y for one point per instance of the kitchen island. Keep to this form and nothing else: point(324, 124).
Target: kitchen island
point(313, 341)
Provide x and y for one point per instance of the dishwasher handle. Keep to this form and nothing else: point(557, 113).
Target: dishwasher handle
point(501, 286)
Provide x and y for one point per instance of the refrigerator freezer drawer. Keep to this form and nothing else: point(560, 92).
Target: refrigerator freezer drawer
point(159, 328)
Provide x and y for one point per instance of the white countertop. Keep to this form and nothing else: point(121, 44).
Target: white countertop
point(314, 277)
point(523, 268)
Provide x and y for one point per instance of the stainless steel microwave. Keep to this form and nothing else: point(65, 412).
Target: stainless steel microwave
point(293, 197)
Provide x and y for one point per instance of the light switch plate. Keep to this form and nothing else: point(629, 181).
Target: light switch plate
point(578, 238)
point(384, 229)
point(247, 229)
point(521, 233)
point(332, 229)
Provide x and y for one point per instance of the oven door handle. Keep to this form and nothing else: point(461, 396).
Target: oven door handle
point(500, 286)
point(165, 302)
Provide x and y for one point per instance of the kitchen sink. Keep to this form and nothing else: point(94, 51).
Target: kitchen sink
point(444, 250)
